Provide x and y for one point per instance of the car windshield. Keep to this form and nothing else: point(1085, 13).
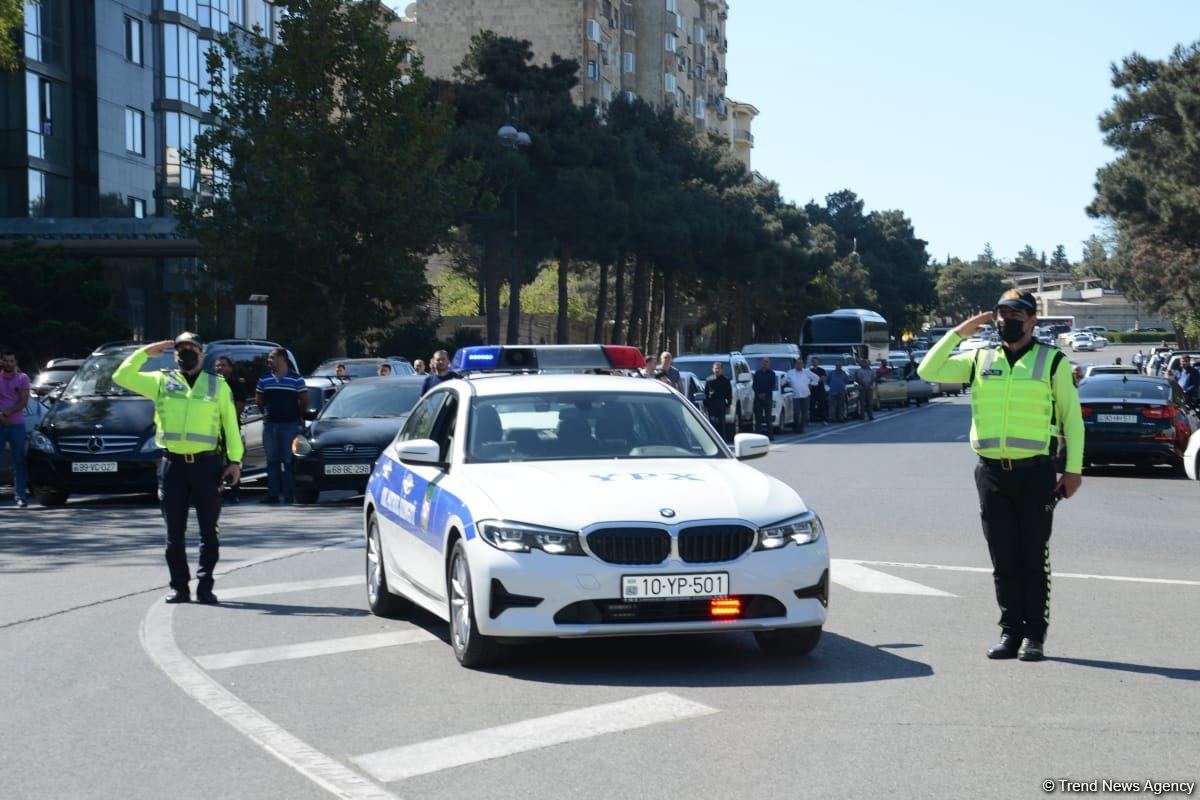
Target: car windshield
point(374, 399)
point(1110, 390)
point(702, 367)
point(783, 363)
point(95, 376)
point(569, 426)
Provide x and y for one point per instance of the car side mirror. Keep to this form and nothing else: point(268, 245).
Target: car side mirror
point(310, 414)
point(750, 445)
point(420, 451)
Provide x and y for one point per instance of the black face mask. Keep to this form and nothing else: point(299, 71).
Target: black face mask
point(188, 359)
point(1012, 330)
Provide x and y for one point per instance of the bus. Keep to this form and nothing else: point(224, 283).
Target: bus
point(856, 331)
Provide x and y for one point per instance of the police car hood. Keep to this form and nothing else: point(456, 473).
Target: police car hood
point(574, 494)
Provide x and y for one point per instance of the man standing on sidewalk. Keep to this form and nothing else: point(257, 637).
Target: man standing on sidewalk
point(803, 380)
point(14, 394)
point(866, 383)
point(283, 399)
point(765, 384)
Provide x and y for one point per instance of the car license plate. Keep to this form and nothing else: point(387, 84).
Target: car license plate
point(674, 587)
point(347, 469)
point(1126, 419)
point(93, 466)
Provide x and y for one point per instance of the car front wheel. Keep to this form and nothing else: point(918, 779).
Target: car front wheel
point(788, 641)
point(471, 648)
point(51, 497)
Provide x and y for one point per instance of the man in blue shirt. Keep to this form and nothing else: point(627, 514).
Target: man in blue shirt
point(1188, 378)
point(765, 384)
point(837, 393)
point(440, 372)
point(283, 398)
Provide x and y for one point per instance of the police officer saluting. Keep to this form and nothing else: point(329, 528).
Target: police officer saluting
point(1020, 394)
point(192, 409)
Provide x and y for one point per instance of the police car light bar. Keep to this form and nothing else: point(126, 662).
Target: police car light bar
point(530, 358)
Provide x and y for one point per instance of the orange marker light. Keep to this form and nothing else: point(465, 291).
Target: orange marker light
point(725, 607)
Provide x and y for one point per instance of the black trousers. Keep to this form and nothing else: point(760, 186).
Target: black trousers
point(1017, 511)
point(182, 486)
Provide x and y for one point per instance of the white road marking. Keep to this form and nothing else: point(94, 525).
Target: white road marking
point(158, 640)
point(423, 758)
point(293, 586)
point(854, 576)
point(842, 428)
point(324, 647)
point(1085, 576)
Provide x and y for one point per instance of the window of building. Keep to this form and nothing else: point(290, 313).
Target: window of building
point(672, 42)
point(700, 108)
point(671, 6)
point(670, 84)
point(699, 33)
point(606, 91)
point(205, 94)
point(628, 62)
point(49, 195)
point(46, 31)
point(135, 131)
point(185, 7)
point(593, 70)
point(133, 40)
point(181, 130)
point(266, 19)
point(214, 14)
point(181, 64)
point(593, 30)
point(45, 132)
point(137, 208)
point(627, 21)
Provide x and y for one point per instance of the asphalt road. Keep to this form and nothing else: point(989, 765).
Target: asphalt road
point(286, 689)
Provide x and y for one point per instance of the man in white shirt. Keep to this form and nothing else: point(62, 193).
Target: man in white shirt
point(802, 379)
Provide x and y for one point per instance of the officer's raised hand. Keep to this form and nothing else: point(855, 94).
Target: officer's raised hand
point(158, 348)
point(970, 327)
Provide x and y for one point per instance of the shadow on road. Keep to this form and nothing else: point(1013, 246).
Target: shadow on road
point(939, 422)
point(284, 610)
point(1178, 673)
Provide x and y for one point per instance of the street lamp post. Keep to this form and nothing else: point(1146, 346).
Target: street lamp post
point(517, 140)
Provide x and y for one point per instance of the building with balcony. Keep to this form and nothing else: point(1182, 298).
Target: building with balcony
point(667, 52)
point(92, 129)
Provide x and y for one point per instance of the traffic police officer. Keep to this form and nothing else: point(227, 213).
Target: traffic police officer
point(1020, 395)
point(192, 409)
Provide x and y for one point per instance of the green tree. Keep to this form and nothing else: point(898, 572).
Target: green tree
point(1028, 261)
point(12, 21)
point(323, 180)
point(52, 304)
point(988, 257)
point(1059, 261)
point(965, 289)
point(1149, 191)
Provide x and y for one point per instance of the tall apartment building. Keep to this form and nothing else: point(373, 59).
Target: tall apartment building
point(92, 126)
point(667, 52)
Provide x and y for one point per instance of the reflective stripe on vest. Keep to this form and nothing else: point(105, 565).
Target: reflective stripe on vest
point(1012, 406)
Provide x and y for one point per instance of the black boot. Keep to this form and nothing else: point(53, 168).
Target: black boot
point(178, 596)
point(1031, 650)
point(1007, 647)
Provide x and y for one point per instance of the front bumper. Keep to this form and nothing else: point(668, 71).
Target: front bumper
point(1128, 452)
point(136, 472)
point(581, 595)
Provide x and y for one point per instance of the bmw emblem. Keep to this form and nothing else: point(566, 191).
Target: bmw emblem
point(667, 512)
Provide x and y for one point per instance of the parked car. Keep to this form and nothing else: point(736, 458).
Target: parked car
point(940, 389)
point(55, 375)
point(693, 389)
point(1132, 419)
point(737, 369)
point(363, 367)
point(1110, 369)
point(339, 448)
point(1081, 341)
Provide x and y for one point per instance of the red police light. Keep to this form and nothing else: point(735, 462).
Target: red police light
point(725, 607)
point(624, 357)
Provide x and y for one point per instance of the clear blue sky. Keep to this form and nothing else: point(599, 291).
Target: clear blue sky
point(978, 120)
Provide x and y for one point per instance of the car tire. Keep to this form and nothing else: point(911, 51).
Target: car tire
point(51, 498)
point(472, 649)
point(308, 497)
point(379, 599)
point(788, 641)
point(1178, 467)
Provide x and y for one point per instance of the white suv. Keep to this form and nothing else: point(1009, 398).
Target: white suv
point(737, 369)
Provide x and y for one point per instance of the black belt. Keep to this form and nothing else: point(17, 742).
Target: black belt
point(191, 458)
point(1016, 463)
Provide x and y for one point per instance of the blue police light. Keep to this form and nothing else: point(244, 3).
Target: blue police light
point(478, 357)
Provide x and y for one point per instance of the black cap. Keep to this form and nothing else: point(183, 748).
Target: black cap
point(1021, 301)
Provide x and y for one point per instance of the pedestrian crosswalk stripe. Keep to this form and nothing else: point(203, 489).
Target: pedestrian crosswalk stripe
point(435, 755)
point(236, 593)
point(854, 576)
point(324, 647)
point(1082, 575)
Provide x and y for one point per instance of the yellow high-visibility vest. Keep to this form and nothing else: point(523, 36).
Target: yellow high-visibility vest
point(1012, 407)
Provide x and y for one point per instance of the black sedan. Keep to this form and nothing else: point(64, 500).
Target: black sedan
point(339, 448)
point(1133, 419)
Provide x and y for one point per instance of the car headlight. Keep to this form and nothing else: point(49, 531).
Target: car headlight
point(517, 537)
point(150, 446)
point(804, 529)
point(40, 441)
point(301, 447)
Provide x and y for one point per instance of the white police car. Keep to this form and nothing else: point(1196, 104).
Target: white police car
point(560, 505)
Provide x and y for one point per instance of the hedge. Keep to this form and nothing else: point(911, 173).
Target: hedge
point(1138, 338)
